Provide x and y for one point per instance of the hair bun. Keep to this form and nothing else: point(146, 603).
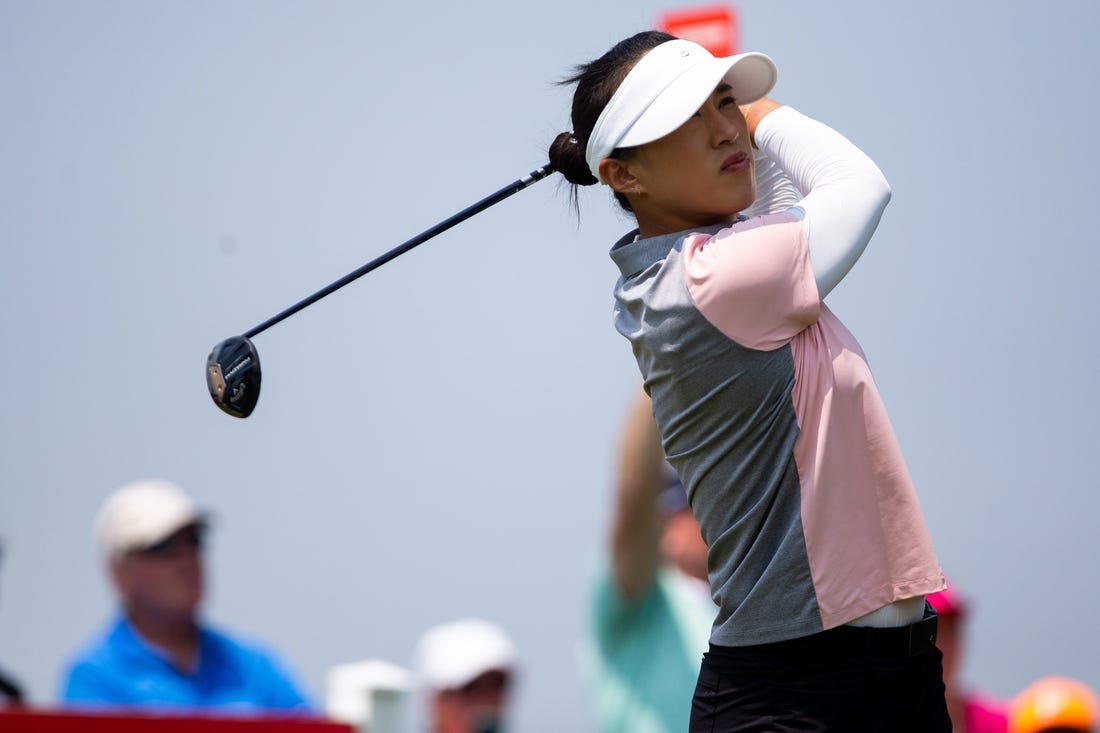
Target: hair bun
point(567, 157)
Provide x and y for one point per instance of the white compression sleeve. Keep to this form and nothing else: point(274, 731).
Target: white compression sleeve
point(845, 192)
point(775, 192)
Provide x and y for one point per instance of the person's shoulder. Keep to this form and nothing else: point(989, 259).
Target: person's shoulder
point(100, 663)
point(243, 648)
point(259, 663)
point(101, 649)
point(233, 642)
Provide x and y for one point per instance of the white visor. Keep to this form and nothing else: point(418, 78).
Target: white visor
point(666, 87)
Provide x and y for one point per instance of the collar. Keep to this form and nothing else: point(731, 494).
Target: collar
point(633, 255)
point(135, 646)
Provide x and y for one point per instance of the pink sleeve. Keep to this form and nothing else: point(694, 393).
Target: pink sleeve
point(754, 282)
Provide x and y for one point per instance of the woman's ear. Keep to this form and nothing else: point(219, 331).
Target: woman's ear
point(618, 175)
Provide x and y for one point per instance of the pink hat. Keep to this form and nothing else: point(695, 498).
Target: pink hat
point(948, 601)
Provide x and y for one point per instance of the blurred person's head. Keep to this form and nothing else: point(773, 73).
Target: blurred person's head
point(953, 610)
point(151, 535)
point(1054, 705)
point(682, 542)
point(466, 669)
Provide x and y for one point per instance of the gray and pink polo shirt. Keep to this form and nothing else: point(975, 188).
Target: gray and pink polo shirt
point(769, 413)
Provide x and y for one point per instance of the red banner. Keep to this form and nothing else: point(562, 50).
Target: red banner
point(26, 721)
point(714, 27)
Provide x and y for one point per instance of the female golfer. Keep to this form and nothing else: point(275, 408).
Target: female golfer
point(819, 557)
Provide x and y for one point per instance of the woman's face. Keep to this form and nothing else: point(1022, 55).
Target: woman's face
point(699, 174)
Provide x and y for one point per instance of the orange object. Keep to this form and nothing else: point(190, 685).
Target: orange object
point(714, 27)
point(1054, 702)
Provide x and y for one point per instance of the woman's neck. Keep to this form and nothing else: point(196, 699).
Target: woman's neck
point(649, 226)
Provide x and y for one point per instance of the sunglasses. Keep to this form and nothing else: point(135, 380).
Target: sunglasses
point(190, 537)
point(487, 682)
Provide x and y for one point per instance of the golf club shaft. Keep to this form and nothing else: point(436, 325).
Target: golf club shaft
point(511, 188)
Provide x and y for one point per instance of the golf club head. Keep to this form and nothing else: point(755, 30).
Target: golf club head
point(233, 376)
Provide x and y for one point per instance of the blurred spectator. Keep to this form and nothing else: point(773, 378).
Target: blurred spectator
point(157, 653)
point(370, 694)
point(466, 669)
point(971, 711)
point(11, 695)
point(651, 611)
point(1054, 705)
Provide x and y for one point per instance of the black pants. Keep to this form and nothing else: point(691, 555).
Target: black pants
point(845, 680)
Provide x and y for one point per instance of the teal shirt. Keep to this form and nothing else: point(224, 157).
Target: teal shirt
point(642, 659)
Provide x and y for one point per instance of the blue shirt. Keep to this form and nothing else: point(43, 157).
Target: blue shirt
point(120, 669)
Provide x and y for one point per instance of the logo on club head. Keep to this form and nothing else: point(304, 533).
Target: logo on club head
point(237, 393)
point(238, 366)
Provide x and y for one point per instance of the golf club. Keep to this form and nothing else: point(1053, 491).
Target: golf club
point(233, 367)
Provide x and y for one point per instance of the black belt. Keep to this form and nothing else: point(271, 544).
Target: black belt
point(872, 641)
point(903, 641)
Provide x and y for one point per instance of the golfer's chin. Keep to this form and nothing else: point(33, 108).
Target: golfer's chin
point(729, 206)
point(743, 196)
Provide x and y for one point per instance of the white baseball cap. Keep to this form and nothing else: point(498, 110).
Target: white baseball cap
point(142, 513)
point(453, 654)
point(666, 87)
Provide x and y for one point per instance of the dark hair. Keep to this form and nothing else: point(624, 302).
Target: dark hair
point(596, 83)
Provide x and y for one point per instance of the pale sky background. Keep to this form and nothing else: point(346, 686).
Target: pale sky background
point(437, 439)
